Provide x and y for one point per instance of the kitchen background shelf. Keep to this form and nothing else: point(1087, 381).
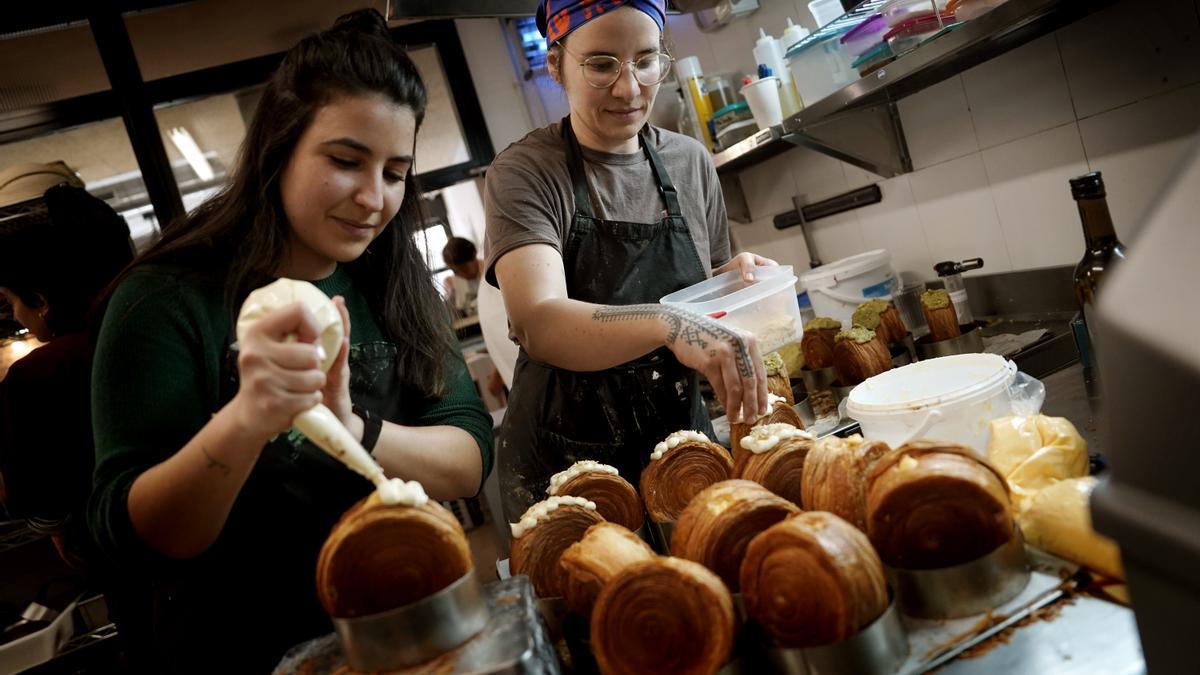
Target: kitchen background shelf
point(860, 124)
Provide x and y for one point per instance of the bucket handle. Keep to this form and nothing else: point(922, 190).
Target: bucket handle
point(931, 418)
point(849, 299)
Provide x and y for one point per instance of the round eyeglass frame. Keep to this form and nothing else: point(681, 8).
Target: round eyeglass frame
point(666, 71)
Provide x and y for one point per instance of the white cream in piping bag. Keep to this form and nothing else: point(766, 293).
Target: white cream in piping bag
point(582, 466)
point(767, 436)
point(539, 511)
point(671, 442)
point(318, 423)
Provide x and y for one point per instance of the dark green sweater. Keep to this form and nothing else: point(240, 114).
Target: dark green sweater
point(163, 367)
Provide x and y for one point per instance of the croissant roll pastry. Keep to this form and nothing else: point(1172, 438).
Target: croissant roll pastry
point(812, 580)
point(665, 615)
point(546, 530)
point(778, 381)
point(380, 557)
point(881, 317)
point(681, 465)
point(933, 504)
point(858, 354)
point(835, 477)
point(615, 498)
point(817, 342)
point(940, 315)
point(606, 548)
point(774, 457)
point(779, 412)
point(719, 523)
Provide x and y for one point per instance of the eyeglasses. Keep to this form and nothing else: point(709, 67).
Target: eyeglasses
point(602, 72)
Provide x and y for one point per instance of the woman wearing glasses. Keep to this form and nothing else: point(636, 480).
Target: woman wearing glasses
point(589, 222)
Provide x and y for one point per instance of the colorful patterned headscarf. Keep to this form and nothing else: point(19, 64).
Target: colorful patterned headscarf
point(557, 18)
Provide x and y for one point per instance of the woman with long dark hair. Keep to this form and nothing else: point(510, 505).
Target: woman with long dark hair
point(200, 489)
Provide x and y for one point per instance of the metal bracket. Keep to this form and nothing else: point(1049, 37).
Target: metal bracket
point(871, 138)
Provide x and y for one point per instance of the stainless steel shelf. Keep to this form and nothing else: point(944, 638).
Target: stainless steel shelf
point(760, 147)
point(859, 123)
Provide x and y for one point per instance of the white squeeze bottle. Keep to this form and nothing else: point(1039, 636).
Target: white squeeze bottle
point(769, 53)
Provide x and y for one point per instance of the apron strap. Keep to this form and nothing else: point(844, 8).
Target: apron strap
point(579, 184)
point(665, 186)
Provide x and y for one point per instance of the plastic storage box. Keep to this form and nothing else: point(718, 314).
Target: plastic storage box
point(897, 12)
point(909, 35)
point(766, 307)
point(820, 68)
point(865, 36)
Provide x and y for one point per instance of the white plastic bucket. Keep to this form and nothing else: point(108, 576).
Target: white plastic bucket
point(952, 398)
point(836, 289)
point(765, 105)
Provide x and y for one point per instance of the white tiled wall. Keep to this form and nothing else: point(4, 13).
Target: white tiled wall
point(992, 149)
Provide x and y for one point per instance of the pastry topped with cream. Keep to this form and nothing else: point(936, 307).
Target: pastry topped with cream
point(671, 442)
point(582, 466)
point(766, 436)
point(539, 511)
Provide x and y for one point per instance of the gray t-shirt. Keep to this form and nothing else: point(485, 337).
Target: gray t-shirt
point(528, 196)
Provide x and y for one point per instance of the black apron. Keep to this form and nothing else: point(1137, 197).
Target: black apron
point(557, 417)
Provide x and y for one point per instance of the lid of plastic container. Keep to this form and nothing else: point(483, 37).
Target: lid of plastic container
point(827, 275)
point(688, 66)
point(873, 24)
point(934, 382)
point(877, 53)
point(731, 108)
point(727, 291)
point(737, 126)
point(799, 48)
point(920, 4)
point(919, 25)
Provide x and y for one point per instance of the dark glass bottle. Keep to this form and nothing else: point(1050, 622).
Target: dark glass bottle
point(1104, 250)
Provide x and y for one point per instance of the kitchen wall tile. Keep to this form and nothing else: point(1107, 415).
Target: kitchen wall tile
point(816, 176)
point(1130, 51)
point(857, 178)
point(785, 247)
point(769, 187)
point(1029, 178)
point(895, 225)
point(837, 236)
point(685, 39)
point(958, 214)
point(937, 124)
point(1137, 148)
point(732, 48)
point(1019, 93)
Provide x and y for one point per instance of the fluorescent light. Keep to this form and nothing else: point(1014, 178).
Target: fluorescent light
point(191, 152)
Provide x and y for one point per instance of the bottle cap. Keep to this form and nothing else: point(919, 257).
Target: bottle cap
point(688, 66)
point(1088, 186)
point(764, 71)
point(763, 38)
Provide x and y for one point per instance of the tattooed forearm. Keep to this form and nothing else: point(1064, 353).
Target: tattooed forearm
point(214, 463)
point(693, 329)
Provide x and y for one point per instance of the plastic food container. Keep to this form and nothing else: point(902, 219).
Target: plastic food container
point(820, 69)
point(766, 307)
point(879, 55)
point(838, 288)
point(730, 115)
point(826, 11)
point(950, 398)
point(736, 133)
point(897, 12)
point(965, 10)
point(910, 34)
point(865, 36)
